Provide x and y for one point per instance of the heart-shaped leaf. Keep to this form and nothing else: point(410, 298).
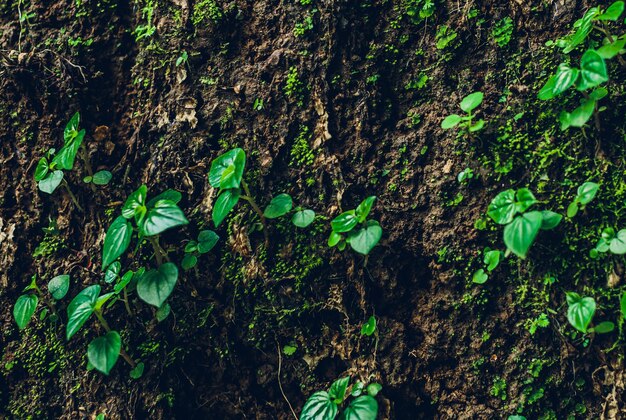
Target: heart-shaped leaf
point(303, 218)
point(520, 234)
point(502, 208)
point(42, 169)
point(492, 259)
point(369, 327)
point(233, 163)
point(345, 222)
point(363, 240)
point(51, 182)
point(189, 262)
point(164, 215)
point(103, 352)
point(580, 311)
point(593, 70)
point(112, 272)
point(206, 241)
point(319, 406)
point(102, 177)
point(364, 407)
point(134, 201)
point(480, 277)
point(337, 391)
point(80, 309)
point(550, 219)
point(587, 192)
point(116, 240)
point(24, 309)
point(155, 286)
point(279, 206)
point(618, 243)
point(565, 78)
point(224, 204)
point(168, 194)
point(471, 101)
point(59, 286)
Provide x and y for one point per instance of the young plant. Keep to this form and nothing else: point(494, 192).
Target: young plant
point(151, 218)
point(491, 260)
point(369, 327)
point(326, 404)
point(352, 227)
point(206, 241)
point(226, 173)
point(509, 208)
point(580, 312)
point(610, 241)
point(465, 122)
point(26, 305)
point(585, 193)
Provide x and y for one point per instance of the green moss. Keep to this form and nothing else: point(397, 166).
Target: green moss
point(301, 153)
point(205, 11)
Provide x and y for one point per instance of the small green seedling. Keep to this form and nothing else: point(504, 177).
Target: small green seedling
point(586, 192)
point(509, 208)
point(580, 312)
point(151, 217)
point(610, 242)
point(99, 178)
point(26, 305)
point(326, 404)
point(352, 227)
point(465, 122)
point(369, 327)
point(207, 239)
point(226, 173)
point(465, 176)
point(491, 260)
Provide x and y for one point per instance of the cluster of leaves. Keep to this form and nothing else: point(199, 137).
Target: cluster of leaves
point(325, 405)
point(585, 193)
point(465, 122)
point(581, 310)
point(207, 239)
point(26, 304)
point(610, 241)
point(509, 208)
point(502, 31)
point(352, 227)
point(491, 260)
point(593, 69)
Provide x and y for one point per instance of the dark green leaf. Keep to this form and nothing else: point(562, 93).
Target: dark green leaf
point(80, 309)
point(137, 371)
point(116, 240)
point(233, 163)
point(104, 351)
point(363, 209)
point(520, 234)
point(163, 312)
point(59, 286)
point(364, 407)
point(319, 406)
point(24, 309)
point(579, 116)
point(565, 78)
point(155, 286)
point(224, 204)
point(279, 206)
point(345, 222)
point(164, 215)
point(102, 177)
point(604, 327)
point(168, 194)
point(67, 155)
point(189, 262)
point(337, 390)
point(207, 239)
point(550, 219)
point(42, 169)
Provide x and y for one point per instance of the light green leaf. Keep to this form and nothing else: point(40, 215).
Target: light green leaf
point(279, 206)
point(579, 116)
point(480, 277)
point(547, 91)
point(51, 182)
point(104, 351)
point(593, 70)
point(587, 192)
point(572, 209)
point(580, 311)
point(334, 239)
point(480, 124)
point(613, 12)
point(24, 309)
point(374, 389)
point(609, 51)
point(134, 201)
point(565, 78)
point(550, 219)
point(168, 194)
point(471, 101)
point(492, 259)
point(502, 208)
point(80, 309)
point(233, 163)
point(303, 218)
point(363, 209)
point(520, 234)
point(622, 305)
point(364, 407)
point(116, 240)
point(71, 128)
point(584, 26)
point(319, 406)
point(337, 391)
point(42, 169)
point(59, 286)
point(618, 243)
point(450, 121)
point(524, 199)
point(224, 204)
point(363, 240)
point(164, 215)
point(155, 286)
point(345, 222)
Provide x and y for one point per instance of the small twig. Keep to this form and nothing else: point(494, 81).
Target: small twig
point(72, 196)
point(280, 385)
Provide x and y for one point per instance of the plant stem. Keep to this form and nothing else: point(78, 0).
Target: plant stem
point(72, 196)
point(126, 303)
point(45, 300)
point(159, 252)
point(605, 31)
point(257, 209)
point(85, 157)
point(105, 325)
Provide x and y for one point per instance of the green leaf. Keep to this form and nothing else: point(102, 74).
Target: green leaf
point(334, 239)
point(520, 234)
point(357, 389)
point(547, 91)
point(477, 127)
point(480, 277)
point(137, 371)
point(24, 309)
point(59, 286)
point(613, 12)
point(374, 389)
point(168, 194)
point(116, 240)
point(580, 311)
point(502, 208)
point(233, 163)
point(598, 93)
point(71, 128)
point(471, 101)
point(303, 218)
point(579, 116)
point(572, 209)
point(279, 206)
point(155, 286)
point(604, 327)
point(80, 309)
point(363, 209)
point(492, 259)
point(163, 312)
point(587, 192)
point(289, 350)
point(224, 204)
point(67, 155)
point(524, 199)
point(363, 240)
point(112, 272)
point(364, 407)
point(369, 327)
point(450, 121)
point(319, 406)
point(609, 51)
point(42, 169)
point(345, 222)
point(134, 201)
point(126, 278)
point(51, 182)
point(192, 246)
point(207, 239)
point(189, 262)
point(593, 70)
point(618, 243)
point(102, 177)
point(337, 391)
point(164, 215)
point(584, 28)
point(104, 351)
point(565, 78)
point(622, 305)
point(550, 219)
